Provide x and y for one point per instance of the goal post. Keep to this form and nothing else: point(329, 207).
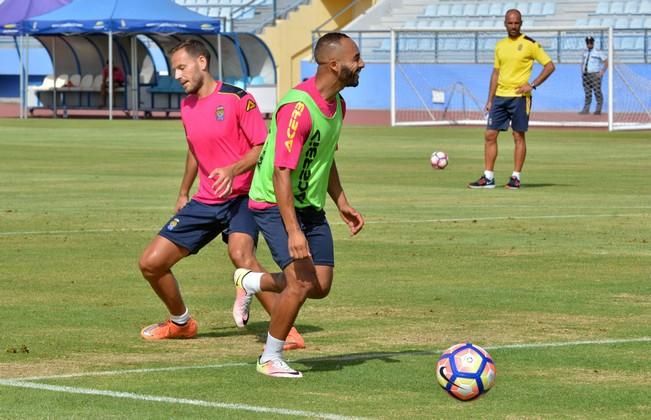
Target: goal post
point(441, 77)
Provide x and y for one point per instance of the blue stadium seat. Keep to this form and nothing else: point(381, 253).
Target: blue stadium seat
point(465, 44)
point(496, 9)
point(621, 23)
point(549, 8)
point(607, 21)
point(487, 43)
point(617, 8)
point(603, 8)
point(482, 9)
point(443, 10)
point(647, 23)
point(535, 9)
point(448, 44)
point(456, 9)
point(631, 7)
point(551, 44)
point(523, 8)
point(594, 21)
point(447, 23)
point(470, 9)
point(425, 44)
point(507, 6)
point(628, 43)
point(572, 43)
point(435, 23)
point(581, 22)
point(430, 10)
point(636, 22)
point(639, 43)
point(645, 7)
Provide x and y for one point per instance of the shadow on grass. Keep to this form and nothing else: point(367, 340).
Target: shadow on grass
point(259, 329)
point(542, 185)
point(329, 363)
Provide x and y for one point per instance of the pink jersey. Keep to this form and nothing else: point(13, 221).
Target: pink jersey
point(220, 129)
point(285, 158)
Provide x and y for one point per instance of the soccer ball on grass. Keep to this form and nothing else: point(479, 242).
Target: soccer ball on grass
point(465, 371)
point(439, 160)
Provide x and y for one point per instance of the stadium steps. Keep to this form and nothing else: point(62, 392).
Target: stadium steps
point(263, 16)
point(402, 13)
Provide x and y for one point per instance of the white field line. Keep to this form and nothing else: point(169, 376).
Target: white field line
point(128, 371)
point(368, 222)
point(24, 382)
point(473, 219)
point(525, 346)
point(170, 400)
point(352, 357)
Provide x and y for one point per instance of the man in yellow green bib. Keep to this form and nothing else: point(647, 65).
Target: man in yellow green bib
point(294, 174)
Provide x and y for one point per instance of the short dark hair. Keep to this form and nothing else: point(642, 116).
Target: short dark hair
point(589, 39)
point(193, 47)
point(323, 43)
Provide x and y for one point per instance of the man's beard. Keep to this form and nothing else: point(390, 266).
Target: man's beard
point(195, 85)
point(348, 78)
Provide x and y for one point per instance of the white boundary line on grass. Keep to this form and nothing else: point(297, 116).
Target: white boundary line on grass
point(128, 371)
point(360, 356)
point(25, 382)
point(170, 400)
point(368, 222)
point(363, 356)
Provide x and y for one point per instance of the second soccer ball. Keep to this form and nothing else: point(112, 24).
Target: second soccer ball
point(439, 160)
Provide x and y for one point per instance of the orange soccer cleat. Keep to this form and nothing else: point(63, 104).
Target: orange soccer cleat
point(294, 341)
point(169, 330)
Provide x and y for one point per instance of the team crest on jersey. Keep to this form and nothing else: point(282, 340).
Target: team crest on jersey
point(172, 224)
point(250, 104)
point(519, 47)
point(219, 113)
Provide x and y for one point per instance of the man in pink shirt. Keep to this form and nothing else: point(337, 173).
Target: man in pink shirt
point(225, 132)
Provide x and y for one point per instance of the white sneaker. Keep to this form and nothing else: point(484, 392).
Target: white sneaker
point(242, 298)
point(277, 368)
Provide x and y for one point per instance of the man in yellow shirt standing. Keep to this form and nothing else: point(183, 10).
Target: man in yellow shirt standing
point(509, 97)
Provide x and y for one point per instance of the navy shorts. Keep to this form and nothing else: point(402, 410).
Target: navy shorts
point(313, 224)
point(196, 224)
point(509, 109)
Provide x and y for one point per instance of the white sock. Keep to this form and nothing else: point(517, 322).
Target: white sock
point(516, 174)
point(273, 349)
point(251, 282)
point(181, 319)
point(489, 174)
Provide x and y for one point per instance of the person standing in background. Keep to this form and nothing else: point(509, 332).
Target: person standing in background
point(593, 68)
point(509, 97)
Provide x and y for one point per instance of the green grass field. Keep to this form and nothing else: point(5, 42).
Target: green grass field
point(553, 280)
